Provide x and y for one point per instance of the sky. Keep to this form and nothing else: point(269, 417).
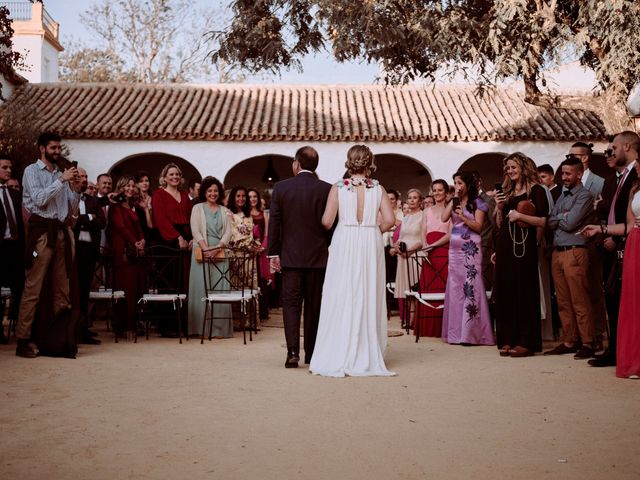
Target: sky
point(318, 69)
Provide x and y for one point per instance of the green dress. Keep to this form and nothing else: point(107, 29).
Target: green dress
point(222, 322)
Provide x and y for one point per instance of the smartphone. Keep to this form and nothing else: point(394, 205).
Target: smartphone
point(498, 187)
point(74, 164)
point(456, 202)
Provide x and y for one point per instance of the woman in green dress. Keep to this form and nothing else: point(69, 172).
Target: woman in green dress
point(211, 228)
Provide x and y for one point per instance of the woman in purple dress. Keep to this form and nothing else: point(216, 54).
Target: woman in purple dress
point(466, 318)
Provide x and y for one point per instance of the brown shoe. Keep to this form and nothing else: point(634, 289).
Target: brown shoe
point(561, 349)
point(584, 353)
point(520, 352)
point(26, 349)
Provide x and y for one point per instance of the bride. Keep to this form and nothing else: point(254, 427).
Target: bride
point(352, 333)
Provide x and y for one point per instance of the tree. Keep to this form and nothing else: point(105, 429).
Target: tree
point(9, 60)
point(492, 40)
point(155, 41)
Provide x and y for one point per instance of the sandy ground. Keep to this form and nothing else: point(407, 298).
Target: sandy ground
point(224, 410)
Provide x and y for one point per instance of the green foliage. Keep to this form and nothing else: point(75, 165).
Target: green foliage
point(9, 60)
point(492, 40)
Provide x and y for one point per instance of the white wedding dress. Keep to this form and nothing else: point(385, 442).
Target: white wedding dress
point(352, 333)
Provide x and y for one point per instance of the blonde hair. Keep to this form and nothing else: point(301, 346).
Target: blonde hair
point(123, 181)
point(360, 160)
point(419, 192)
point(529, 173)
point(165, 170)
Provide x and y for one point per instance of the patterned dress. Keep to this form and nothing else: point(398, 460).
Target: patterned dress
point(466, 316)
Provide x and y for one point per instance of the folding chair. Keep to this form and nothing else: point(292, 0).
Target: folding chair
point(417, 286)
point(166, 270)
point(231, 280)
point(102, 290)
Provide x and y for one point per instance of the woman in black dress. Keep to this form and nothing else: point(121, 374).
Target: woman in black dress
point(517, 288)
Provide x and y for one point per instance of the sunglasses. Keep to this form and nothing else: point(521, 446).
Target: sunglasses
point(608, 152)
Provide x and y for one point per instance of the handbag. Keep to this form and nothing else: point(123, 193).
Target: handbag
point(526, 207)
point(218, 257)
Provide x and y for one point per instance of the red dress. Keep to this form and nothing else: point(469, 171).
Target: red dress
point(628, 349)
point(171, 218)
point(125, 230)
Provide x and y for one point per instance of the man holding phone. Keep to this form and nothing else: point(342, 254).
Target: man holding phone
point(51, 196)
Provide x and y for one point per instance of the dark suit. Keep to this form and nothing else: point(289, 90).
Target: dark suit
point(297, 236)
point(88, 252)
point(12, 252)
point(612, 296)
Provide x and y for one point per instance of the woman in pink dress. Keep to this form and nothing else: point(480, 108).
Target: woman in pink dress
point(260, 227)
point(433, 279)
point(628, 339)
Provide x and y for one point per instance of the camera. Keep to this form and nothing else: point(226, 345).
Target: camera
point(120, 198)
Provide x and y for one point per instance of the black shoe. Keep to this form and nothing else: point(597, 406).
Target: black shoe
point(3, 340)
point(292, 360)
point(606, 353)
point(92, 333)
point(584, 353)
point(561, 349)
point(603, 361)
point(26, 349)
point(89, 340)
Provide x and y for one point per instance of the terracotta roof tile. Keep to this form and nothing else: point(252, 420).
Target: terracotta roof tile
point(351, 113)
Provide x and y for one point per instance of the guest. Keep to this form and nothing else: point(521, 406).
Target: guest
point(628, 338)
point(172, 209)
point(14, 184)
point(211, 227)
point(391, 261)
point(194, 190)
point(92, 189)
point(466, 318)
point(241, 216)
point(12, 239)
point(429, 201)
point(87, 232)
point(622, 156)
point(592, 182)
point(260, 227)
point(408, 242)
point(488, 233)
point(104, 185)
point(433, 279)
point(127, 241)
point(548, 180)
point(144, 208)
point(516, 286)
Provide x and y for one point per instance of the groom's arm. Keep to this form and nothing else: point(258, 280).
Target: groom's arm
point(275, 225)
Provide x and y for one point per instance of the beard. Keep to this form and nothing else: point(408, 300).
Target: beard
point(53, 158)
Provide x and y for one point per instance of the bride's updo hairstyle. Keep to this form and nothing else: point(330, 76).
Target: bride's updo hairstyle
point(360, 161)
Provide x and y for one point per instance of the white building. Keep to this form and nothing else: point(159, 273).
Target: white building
point(418, 133)
point(36, 37)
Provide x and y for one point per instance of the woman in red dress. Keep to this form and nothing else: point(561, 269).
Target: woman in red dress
point(260, 227)
point(127, 242)
point(172, 209)
point(433, 279)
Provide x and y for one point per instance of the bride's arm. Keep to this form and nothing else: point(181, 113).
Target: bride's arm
point(331, 209)
point(388, 219)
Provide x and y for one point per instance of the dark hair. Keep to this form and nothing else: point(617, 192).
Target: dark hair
point(193, 181)
point(259, 206)
point(394, 192)
point(471, 182)
point(308, 158)
point(104, 175)
point(206, 184)
point(442, 182)
point(588, 146)
point(4, 156)
point(546, 168)
point(141, 174)
point(232, 201)
point(572, 162)
point(46, 137)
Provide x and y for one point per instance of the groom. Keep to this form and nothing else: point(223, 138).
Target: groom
point(298, 247)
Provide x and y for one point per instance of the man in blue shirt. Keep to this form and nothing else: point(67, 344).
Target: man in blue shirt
point(51, 196)
point(570, 262)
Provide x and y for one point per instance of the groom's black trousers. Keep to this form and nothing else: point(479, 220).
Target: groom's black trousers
point(301, 286)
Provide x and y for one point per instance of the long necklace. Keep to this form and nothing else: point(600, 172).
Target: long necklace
point(524, 233)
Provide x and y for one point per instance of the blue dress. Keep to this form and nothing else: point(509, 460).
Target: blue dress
point(222, 327)
point(466, 316)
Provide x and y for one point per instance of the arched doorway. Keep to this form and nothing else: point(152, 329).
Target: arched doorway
point(489, 165)
point(251, 172)
point(152, 163)
point(400, 172)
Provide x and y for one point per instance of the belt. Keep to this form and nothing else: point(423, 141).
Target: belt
point(570, 247)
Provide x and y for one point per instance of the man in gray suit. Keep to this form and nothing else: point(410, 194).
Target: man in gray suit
point(594, 183)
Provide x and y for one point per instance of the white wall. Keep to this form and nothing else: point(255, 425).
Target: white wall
point(50, 56)
point(31, 47)
point(217, 158)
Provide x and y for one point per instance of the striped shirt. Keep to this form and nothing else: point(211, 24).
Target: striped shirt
point(45, 194)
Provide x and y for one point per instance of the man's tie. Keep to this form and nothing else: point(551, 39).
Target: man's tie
point(13, 226)
point(611, 220)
